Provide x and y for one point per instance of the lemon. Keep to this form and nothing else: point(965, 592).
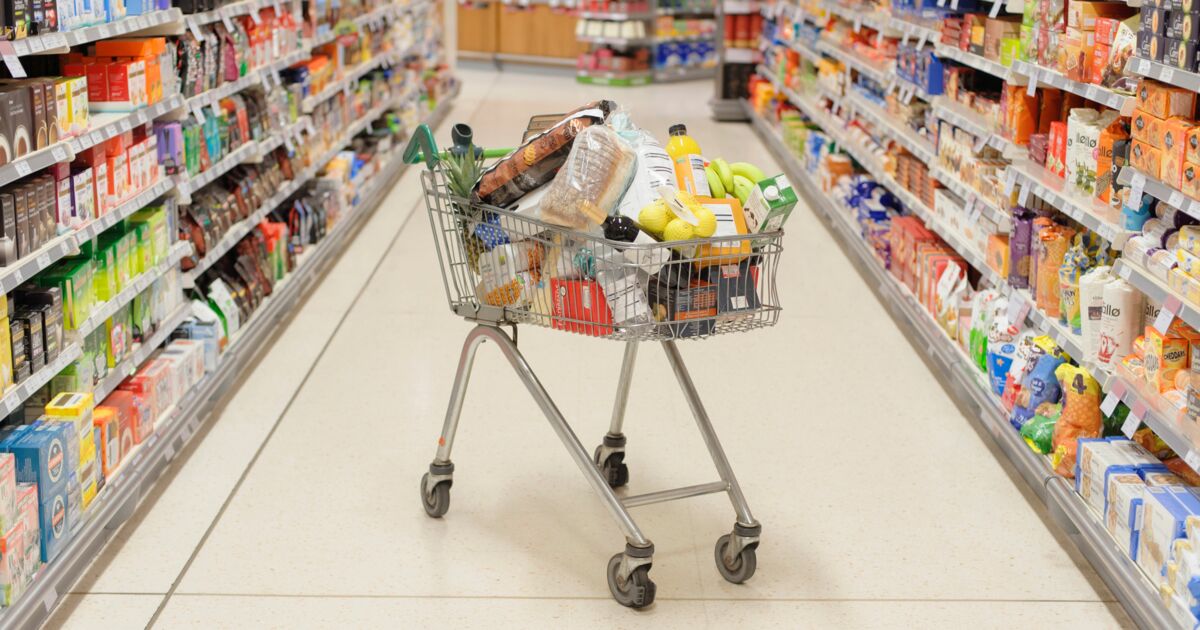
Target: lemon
point(707, 225)
point(654, 217)
point(678, 230)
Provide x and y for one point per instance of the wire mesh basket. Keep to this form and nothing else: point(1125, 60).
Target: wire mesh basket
point(511, 268)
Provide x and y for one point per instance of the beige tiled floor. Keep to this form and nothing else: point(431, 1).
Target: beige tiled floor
point(882, 507)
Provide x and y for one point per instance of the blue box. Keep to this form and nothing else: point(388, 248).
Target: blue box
point(54, 518)
point(42, 453)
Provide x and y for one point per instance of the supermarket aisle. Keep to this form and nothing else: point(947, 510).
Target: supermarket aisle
point(880, 504)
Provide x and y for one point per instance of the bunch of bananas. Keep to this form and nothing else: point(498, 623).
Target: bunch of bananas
point(737, 179)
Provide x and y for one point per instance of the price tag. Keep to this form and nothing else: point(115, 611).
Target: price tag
point(922, 40)
point(1110, 403)
point(941, 3)
point(1010, 181)
point(199, 114)
point(227, 22)
point(195, 29)
point(1192, 459)
point(1176, 199)
point(18, 275)
point(1132, 421)
point(1166, 75)
point(104, 30)
point(96, 137)
point(1023, 198)
point(879, 39)
point(908, 95)
point(996, 4)
point(56, 40)
point(1167, 314)
point(278, 8)
point(1137, 185)
point(1091, 92)
point(858, 22)
point(255, 18)
point(904, 40)
point(23, 168)
point(1031, 89)
point(1143, 67)
point(981, 143)
point(59, 154)
point(36, 45)
point(126, 125)
point(43, 260)
point(11, 60)
point(1108, 232)
point(1018, 308)
point(953, 5)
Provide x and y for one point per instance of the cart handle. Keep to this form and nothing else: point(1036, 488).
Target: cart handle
point(423, 147)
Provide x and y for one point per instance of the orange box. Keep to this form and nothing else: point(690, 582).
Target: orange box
point(1145, 158)
point(1083, 15)
point(131, 47)
point(1021, 115)
point(1192, 151)
point(1163, 101)
point(997, 254)
point(1146, 128)
point(1104, 159)
point(1174, 145)
point(731, 252)
point(1099, 62)
point(1190, 182)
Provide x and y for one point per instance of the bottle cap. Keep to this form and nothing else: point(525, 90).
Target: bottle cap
point(678, 130)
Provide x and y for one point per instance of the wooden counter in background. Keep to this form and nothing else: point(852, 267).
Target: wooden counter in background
point(537, 34)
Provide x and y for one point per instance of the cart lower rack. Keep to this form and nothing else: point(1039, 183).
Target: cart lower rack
point(503, 268)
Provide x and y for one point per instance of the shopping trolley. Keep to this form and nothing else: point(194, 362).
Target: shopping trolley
point(501, 268)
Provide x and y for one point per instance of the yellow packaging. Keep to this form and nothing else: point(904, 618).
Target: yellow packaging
point(73, 407)
point(6, 369)
point(731, 252)
point(1188, 262)
point(1164, 353)
point(1145, 158)
point(1189, 182)
point(1189, 239)
point(1146, 127)
point(1163, 101)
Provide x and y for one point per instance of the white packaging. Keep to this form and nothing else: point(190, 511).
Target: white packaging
point(1091, 308)
point(1120, 323)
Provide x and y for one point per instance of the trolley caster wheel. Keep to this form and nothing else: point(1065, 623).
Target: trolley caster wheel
point(743, 565)
point(437, 502)
point(613, 468)
point(635, 591)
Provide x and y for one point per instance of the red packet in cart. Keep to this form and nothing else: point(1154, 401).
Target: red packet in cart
point(579, 306)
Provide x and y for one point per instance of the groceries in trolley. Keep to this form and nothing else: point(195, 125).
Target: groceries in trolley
point(593, 226)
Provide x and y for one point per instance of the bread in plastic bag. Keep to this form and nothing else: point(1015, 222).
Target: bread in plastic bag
point(536, 161)
point(591, 183)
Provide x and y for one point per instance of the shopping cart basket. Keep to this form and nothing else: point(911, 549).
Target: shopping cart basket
point(504, 269)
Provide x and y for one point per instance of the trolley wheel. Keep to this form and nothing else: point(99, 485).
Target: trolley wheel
point(613, 468)
point(637, 591)
point(743, 565)
point(436, 503)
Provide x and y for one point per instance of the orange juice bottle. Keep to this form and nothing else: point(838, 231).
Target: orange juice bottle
point(689, 164)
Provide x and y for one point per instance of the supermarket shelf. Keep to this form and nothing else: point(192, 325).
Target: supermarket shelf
point(805, 50)
point(741, 55)
point(122, 494)
point(1157, 290)
point(596, 77)
point(877, 20)
point(1090, 212)
point(620, 42)
point(189, 185)
point(12, 400)
point(279, 136)
point(379, 14)
point(983, 64)
point(1160, 190)
point(229, 11)
point(1162, 72)
point(1092, 92)
point(102, 312)
point(63, 245)
point(1121, 575)
point(58, 43)
point(740, 7)
point(881, 75)
point(960, 188)
point(617, 16)
point(959, 116)
point(912, 30)
point(256, 76)
point(103, 127)
point(142, 351)
point(693, 73)
point(902, 133)
point(684, 38)
point(695, 12)
point(390, 57)
point(901, 83)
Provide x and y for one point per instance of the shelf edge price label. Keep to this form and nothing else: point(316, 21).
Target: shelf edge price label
point(59, 154)
point(1018, 308)
point(1166, 75)
point(1031, 88)
point(995, 12)
point(1192, 459)
point(1176, 200)
point(36, 44)
point(1134, 419)
point(982, 142)
point(1166, 315)
point(195, 29)
point(1137, 186)
point(1023, 198)
point(1010, 181)
point(12, 60)
point(1110, 403)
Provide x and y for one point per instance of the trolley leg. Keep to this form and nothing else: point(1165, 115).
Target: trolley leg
point(610, 455)
point(709, 435)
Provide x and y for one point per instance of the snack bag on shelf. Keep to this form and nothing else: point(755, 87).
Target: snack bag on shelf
point(1053, 246)
point(1001, 350)
point(1081, 416)
point(1019, 244)
point(1024, 360)
point(1039, 431)
point(1039, 386)
point(982, 311)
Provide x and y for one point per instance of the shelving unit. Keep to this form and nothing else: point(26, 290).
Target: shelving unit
point(983, 64)
point(1123, 103)
point(1067, 509)
point(955, 114)
point(137, 476)
point(1164, 73)
point(651, 40)
point(1089, 212)
point(1159, 190)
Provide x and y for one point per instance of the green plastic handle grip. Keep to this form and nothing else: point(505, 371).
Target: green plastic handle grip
point(422, 147)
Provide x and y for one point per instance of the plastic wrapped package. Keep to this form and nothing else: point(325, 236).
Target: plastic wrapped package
point(1039, 432)
point(1040, 386)
point(592, 181)
point(537, 160)
point(1081, 417)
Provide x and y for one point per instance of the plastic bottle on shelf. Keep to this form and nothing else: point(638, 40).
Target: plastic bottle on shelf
point(689, 163)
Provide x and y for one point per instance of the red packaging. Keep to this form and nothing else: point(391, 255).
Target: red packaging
point(577, 302)
point(127, 410)
point(97, 82)
point(1106, 30)
point(118, 82)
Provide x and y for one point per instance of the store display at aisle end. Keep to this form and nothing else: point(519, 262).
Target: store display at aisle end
point(161, 197)
point(1024, 188)
point(634, 43)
